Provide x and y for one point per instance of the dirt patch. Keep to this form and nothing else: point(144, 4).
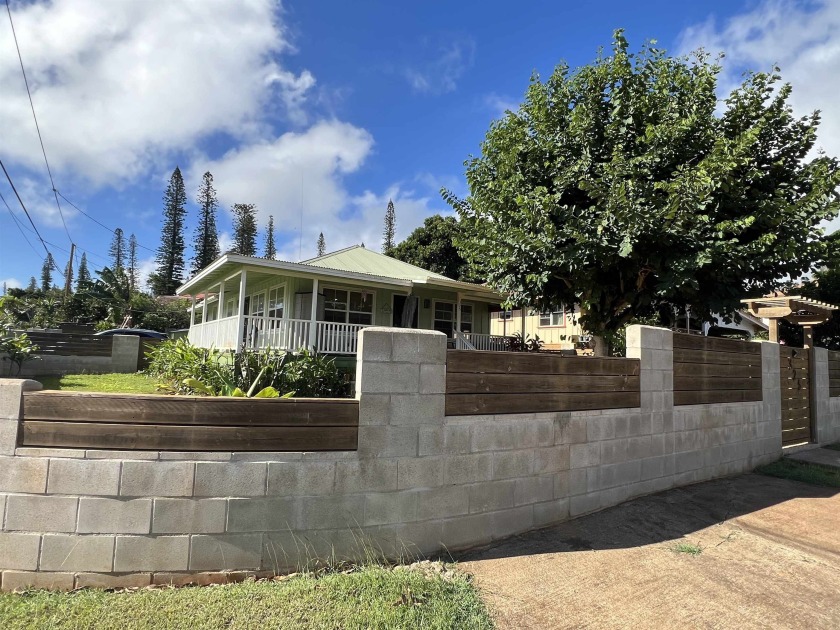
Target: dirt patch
point(744, 552)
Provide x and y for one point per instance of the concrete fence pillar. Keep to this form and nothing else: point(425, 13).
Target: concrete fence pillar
point(11, 410)
point(824, 431)
point(772, 398)
point(654, 347)
point(401, 387)
point(124, 353)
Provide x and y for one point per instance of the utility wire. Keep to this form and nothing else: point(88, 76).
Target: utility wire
point(98, 222)
point(22, 205)
point(37, 127)
point(19, 226)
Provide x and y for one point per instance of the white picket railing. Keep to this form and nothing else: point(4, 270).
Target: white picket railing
point(477, 341)
point(338, 338)
point(276, 332)
point(219, 333)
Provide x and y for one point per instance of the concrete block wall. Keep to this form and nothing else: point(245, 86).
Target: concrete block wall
point(419, 482)
point(124, 355)
point(825, 409)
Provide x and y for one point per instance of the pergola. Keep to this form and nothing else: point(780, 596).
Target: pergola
point(798, 310)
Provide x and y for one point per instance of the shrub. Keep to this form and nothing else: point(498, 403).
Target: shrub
point(188, 369)
point(17, 349)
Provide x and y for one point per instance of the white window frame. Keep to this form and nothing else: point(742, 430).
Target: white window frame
point(230, 307)
point(281, 293)
point(347, 311)
point(550, 316)
point(471, 323)
point(505, 315)
point(252, 303)
point(434, 313)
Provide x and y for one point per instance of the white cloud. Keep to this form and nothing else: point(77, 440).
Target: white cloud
point(449, 60)
point(11, 283)
point(118, 85)
point(803, 38)
point(299, 179)
point(499, 105)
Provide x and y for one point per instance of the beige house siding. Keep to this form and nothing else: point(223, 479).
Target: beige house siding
point(555, 337)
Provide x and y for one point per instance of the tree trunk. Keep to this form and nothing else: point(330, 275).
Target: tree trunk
point(599, 348)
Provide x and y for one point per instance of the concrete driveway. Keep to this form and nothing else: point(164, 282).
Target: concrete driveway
point(770, 559)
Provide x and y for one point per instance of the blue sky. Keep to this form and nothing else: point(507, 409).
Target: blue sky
point(318, 112)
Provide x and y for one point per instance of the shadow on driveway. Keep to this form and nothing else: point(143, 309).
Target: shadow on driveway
point(770, 557)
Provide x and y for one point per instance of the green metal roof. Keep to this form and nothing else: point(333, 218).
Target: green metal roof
point(360, 260)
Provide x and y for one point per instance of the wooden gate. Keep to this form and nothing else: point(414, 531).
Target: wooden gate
point(795, 377)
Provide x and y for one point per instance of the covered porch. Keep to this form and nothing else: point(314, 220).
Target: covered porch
point(271, 305)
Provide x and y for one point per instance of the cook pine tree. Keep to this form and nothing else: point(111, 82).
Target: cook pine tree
point(83, 278)
point(46, 273)
point(206, 244)
point(389, 230)
point(132, 263)
point(270, 249)
point(245, 229)
point(117, 250)
point(169, 270)
point(322, 245)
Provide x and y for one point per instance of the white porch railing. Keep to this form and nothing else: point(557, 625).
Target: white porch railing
point(276, 332)
point(477, 341)
point(219, 333)
point(336, 338)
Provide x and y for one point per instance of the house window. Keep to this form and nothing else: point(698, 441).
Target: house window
point(258, 305)
point(444, 318)
point(552, 318)
point(506, 314)
point(348, 307)
point(276, 301)
point(230, 307)
point(466, 318)
point(212, 311)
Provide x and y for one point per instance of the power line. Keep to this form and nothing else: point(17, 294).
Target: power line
point(37, 127)
point(98, 222)
point(22, 205)
point(19, 225)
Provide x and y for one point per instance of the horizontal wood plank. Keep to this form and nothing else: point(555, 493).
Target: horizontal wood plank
point(794, 436)
point(682, 355)
point(463, 383)
point(474, 362)
point(702, 383)
point(711, 370)
point(472, 404)
point(715, 344)
point(186, 438)
point(716, 396)
point(189, 410)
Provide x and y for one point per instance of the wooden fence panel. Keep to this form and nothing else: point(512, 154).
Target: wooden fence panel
point(795, 384)
point(186, 423)
point(509, 382)
point(68, 344)
point(709, 370)
point(834, 373)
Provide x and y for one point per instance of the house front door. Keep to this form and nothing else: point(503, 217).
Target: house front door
point(405, 311)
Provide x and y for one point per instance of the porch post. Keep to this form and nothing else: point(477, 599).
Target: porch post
point(313, 316)
point(192, 311)
point(241, 310)
point(221, 301)
point(458, 312)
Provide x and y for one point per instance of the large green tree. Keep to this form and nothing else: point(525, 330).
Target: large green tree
point(83, 278)
point(431, 247)
point(245, 229)
point(169, 272)
point(270, 251)
point(389, 229)
point(46, 273)
point(626, 184)
point(117, 251)
point(206, 244)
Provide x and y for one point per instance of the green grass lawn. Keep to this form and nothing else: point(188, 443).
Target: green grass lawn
point(119, 383)
point(368, 598)
point(800, 471)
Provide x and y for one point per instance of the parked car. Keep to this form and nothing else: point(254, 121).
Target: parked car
point(139, 332)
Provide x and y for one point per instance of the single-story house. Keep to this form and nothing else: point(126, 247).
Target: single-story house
point(260, 303)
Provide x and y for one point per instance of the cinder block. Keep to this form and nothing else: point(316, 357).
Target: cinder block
point(389, 378)
point(431, 441)
point(577, 481)
point(439, 503)
point(515, 521)
point(467, 531)
point(230, 479)
point(23, 474)
point(551, 459)
point(189, 516)
point(19, 551)
point(416, 409)
point(584, 504)
point(26, 580)
point(615, 451)
point(421, 472)
point(123, 455)
point(551, 512)
point(263, 514)
point(61, 552)
point(332, 512)
point(84, 476)
point(375, 346)
point(391, 507)
point(532, 490)
point(600, 428)
point(157, 479)
point(562, 482)
point(387, 441)
point(41, 513)
point(106, 581)
point(460, 469)
point(374, 409)
point(509, 464)
point(568, 430)
point(114, 516)
point(195, 456)
point(225, 553)
point(584, 455)
point(689, 460)
point(432, 379)
point(301, 478)
point(371, 475)
point(151, 553)
point(491, 495)
point(419, 346)
point(419, 540)
point(8, 436)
